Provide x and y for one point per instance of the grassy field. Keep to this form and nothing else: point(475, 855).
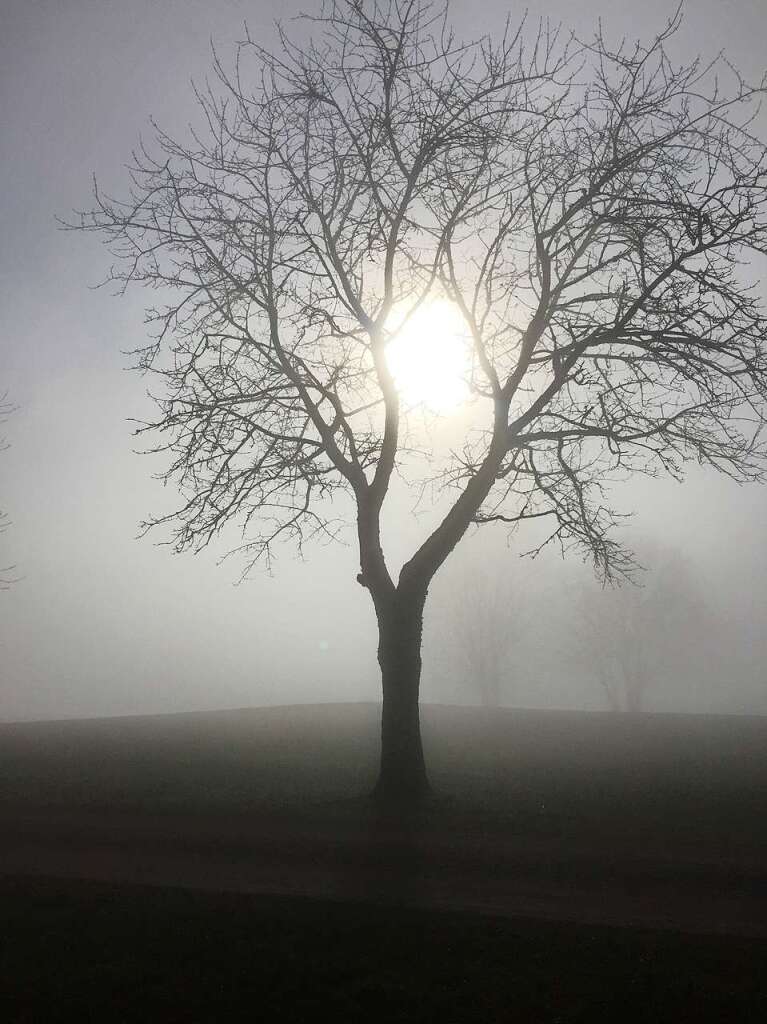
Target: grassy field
point(552, 823)
point(676, 778)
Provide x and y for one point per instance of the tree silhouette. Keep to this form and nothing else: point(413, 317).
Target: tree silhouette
point(589, 209)
point(631, 636)
point(478, 624)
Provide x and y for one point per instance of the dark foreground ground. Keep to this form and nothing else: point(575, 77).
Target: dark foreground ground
point(94, 952)
point(201, 867)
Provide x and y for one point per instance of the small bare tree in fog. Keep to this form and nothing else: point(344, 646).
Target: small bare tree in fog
point(6, 572)
point(587, 208)
point(631, 637)
point(479, 625)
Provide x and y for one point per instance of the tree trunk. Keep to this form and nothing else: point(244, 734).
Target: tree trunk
point(402, 780)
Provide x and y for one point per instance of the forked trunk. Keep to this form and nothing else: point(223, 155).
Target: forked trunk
point(402, 780)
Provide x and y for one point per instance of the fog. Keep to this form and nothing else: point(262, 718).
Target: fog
point(102, 623)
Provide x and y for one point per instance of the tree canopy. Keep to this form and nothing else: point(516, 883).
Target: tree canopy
point(588, 207)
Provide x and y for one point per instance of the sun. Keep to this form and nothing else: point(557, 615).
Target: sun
point(429, 356)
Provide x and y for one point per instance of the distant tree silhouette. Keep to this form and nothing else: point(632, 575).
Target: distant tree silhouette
point(630, 636)
point(590, 209)
point(480, 623)
point(6, 572)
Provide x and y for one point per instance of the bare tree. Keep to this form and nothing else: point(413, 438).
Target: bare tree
point(6, 572)
point(589, 209)
point(477, 627)
point(632, 637)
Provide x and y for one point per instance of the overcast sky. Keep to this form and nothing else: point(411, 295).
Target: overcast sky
point(102, 623)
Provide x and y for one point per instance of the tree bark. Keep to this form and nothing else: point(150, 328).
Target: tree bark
point(402, 780)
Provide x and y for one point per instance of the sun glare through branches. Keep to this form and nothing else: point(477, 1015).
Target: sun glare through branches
point(429, 356)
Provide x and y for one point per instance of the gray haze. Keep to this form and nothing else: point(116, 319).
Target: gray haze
point(101, 623)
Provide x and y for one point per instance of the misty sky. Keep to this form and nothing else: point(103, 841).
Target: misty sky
point(102, 623)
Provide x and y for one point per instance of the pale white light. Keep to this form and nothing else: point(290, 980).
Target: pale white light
point(428, 355)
